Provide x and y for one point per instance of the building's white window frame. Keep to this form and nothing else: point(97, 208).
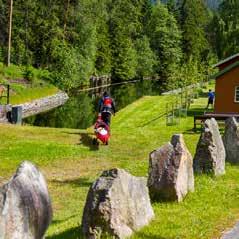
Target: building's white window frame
point(236, 94)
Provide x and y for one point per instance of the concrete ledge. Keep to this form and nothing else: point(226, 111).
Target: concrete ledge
point(43, 104)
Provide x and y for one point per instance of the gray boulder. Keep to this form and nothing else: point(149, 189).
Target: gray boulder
point(171, 171)
point(210, 153)
point(231, 140)
point(117, 205)
point(25, 206)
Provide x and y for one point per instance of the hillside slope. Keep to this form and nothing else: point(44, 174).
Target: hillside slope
point(71, 163)
point(26, 83)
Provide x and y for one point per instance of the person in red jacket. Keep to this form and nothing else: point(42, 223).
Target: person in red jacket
point(106, 108)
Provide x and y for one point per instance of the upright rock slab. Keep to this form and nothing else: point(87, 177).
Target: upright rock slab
point(231, 140)
point(171, 171)
point(25, 206)
point(117, 205)
point(210, 153)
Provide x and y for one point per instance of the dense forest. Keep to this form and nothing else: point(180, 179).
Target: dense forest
point(175, 42)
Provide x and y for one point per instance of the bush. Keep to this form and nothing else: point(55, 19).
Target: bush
point(28, 73)
point(12, 72)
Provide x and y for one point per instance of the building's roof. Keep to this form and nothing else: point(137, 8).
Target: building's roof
point(225, 70)
point(226, 60)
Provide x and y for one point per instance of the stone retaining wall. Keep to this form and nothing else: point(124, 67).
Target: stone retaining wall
point(43, 104)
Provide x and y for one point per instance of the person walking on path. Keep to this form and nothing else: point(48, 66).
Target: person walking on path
point(211, 97)
point(106, 108)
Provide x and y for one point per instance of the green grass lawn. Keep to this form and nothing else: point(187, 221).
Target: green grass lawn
point(21, 94)
point(26, 83)
point(71, 163)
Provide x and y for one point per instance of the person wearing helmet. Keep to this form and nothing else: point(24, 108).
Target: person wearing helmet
point(106, 108)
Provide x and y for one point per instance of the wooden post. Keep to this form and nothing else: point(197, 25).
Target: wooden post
point(8, 94)
point(9, 34)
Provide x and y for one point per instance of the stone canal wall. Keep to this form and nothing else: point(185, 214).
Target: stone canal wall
point(43, 104)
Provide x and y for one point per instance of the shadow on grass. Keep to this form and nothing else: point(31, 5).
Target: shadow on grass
point(195, 111)
point(199, 111)
point(76, 233)
point(78, 133)
point(198, 130)
point(83, 182)
point(150, 236)
point(55, 222)
point(152, 120)
point(87, 140)
point(72, 233)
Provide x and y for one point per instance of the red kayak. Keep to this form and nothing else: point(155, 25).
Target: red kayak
point(102, 131)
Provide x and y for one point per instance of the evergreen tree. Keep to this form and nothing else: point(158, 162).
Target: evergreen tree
point(75, 39)
point(194, 20)
point(125, 27)
point(165, 39)
point(172, 6)
point(146, 59)
point(124, 59)
point(226, 26)
point(103, 63)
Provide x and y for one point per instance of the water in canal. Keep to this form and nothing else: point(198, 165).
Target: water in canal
point(80, 110)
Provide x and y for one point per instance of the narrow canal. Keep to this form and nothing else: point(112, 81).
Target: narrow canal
point(80, 111)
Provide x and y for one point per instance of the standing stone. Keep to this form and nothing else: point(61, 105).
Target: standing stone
point(210, 153)
point(171, 171)
point(117, 205)
point(231, 140)
point(25, 206)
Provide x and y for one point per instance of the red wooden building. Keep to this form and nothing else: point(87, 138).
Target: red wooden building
point(227, 86)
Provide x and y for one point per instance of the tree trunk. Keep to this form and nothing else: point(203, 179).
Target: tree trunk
point(9, 34)
point(66, 16)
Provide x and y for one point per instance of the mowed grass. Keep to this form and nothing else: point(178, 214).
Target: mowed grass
point(21, 94)
point(71, 163)
point(26, 83)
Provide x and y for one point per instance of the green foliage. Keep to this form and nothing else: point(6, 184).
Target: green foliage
point(146, 59)
point(190, 74)
point(225, 28)
point(125, 59)
point(28, 73)
point(65, 69)
point(125, 13)
point(103, 62)
point(194, 20)
point(35, 76)
point(19, 77)
point(77, 39)
point(11, 72)
point(165, 40)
